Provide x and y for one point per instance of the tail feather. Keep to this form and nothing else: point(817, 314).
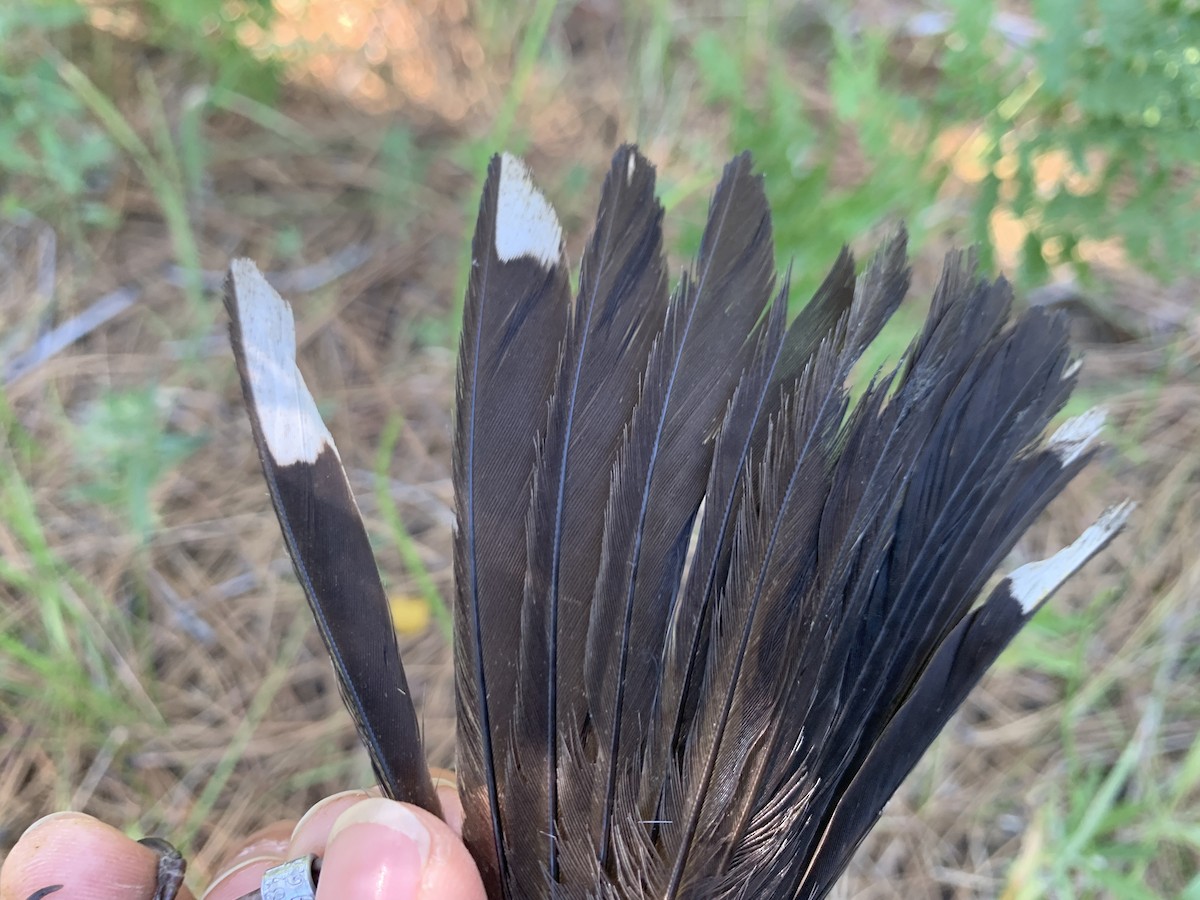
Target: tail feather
point(514, 320)
point(782, 579)
point(960, 661)
point(711, 608)
point(659, 479)
point(325, 535)
point(620, 309)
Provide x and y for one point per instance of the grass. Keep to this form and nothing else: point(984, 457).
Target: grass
point(157, 667)
point(402, 537)
point(161, 169)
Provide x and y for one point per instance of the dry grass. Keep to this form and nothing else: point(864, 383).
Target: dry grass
point(172, 682)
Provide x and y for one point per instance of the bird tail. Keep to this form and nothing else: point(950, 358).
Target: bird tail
point(712, 606)
point(745, 602)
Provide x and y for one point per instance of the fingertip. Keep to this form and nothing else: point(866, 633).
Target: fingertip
point(240, 879)
point(241, 872)
point(446, 787)
point(86, 856)
point(383, 849)
point(311, 833)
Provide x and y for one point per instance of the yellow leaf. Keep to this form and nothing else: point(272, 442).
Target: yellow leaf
point(410, 615)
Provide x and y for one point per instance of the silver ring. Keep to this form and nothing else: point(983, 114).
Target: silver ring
point(291, 880)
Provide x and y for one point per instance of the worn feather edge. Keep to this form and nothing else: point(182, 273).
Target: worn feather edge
point(291, 425)
point(1041, 579)
point(267, 353)
point(1033, 583)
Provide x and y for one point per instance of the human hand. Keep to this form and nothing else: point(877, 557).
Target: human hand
point(370, 848)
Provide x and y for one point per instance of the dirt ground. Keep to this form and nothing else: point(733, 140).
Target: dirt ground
point(226, 715)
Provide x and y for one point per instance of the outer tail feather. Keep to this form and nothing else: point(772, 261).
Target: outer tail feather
point(923, 554)
point(325, 535)
point(961, 660)
point(711, 609)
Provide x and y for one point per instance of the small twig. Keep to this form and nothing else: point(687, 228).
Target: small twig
point(294, 281)
point(300, 280)
point(185, 616)
point(47, 246)
point(58, 339)
point(23, 229)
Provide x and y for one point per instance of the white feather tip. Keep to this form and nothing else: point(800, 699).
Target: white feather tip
point(291, 425)
point(526, 225)
point(1033, 583)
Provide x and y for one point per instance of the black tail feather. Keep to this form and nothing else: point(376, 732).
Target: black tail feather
point(710, 608)
point(779, 576)
point(661, 472)
point(325, 535)
point(515, 316)
point(620, 309)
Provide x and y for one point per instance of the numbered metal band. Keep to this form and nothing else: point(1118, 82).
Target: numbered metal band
point(292, 880)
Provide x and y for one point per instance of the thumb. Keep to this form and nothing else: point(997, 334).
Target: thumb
point(383, 850)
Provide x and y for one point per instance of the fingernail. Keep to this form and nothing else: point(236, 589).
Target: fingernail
point(246, 875)
point(377, 849)
point(321, 805)
point(52, 818)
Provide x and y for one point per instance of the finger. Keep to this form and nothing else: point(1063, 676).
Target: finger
point(311, 833)
point(445, 783)
point(91, 860)
point(383, 850)
point(239, 880)
point(273, 840)
point(242, 871)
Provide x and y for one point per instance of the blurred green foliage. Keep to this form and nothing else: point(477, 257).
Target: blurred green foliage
point(1109, 88)
point(54, 159)
point(815, 212)
point(47, 145)
point(123, 449)
point(1114, 86)
point(207, 33)
point(1086, 115)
